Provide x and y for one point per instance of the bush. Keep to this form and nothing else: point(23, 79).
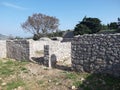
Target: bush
point(36, 37)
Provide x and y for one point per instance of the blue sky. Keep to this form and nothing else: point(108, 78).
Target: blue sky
point(69, 12)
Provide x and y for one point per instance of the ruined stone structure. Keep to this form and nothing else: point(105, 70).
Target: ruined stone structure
point(34, 50)
point(57, 51)
point(97, 53)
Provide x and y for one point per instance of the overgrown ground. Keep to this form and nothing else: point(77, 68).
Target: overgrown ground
point(16, 75)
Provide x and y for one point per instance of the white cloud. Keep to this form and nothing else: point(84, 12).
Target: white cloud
point(13, 6)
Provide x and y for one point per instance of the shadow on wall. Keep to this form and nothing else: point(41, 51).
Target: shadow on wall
point(54, 64)
point(39, 60)
point(63, 67)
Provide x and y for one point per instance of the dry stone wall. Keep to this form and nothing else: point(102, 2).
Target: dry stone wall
point(3, 50)
point(18, 49)
point(97, 53)
point(25, 49)
point(34, 50)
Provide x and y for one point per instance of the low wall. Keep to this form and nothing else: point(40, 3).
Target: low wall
point(59, 51)
point(18, 49)
point(97, 54)
point(3, 50)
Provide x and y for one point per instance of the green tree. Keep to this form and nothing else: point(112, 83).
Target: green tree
point(94, 24)
point(81, 29)
point(88, 26)
point(113, 25)
point(40, 25)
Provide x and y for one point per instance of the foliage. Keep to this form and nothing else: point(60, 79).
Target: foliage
point(40, 24)
point(56, 34)
point(88, 26)
point(36, 37)
point(113, 25)
point(81, 29)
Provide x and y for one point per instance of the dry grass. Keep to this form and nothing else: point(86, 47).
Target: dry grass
point(16, 75)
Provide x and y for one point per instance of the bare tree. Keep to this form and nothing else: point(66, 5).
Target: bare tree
point(40, 24)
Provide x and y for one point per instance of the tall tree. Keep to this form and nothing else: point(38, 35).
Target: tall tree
point(88, 26)
point(94, 24)
point(40, 24)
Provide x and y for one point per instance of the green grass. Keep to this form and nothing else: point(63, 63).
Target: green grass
point(6, 68)
point(10, 67)
point(14, 84)
point(77, 84)
point(10, 72)
point(70, 75)
point(6, 71)
point(24, 70)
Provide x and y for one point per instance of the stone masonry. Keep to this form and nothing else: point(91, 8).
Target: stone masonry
point(97, 53)
point(34, 50)
point(18, 49)
point(25, 49)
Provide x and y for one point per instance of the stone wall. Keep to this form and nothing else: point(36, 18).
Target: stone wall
point(97, 54)
point(59, 51)
point(25, 49)
point(3, 49)
point(18, 49)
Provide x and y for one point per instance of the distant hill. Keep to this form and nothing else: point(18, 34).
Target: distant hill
point(3, 37)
